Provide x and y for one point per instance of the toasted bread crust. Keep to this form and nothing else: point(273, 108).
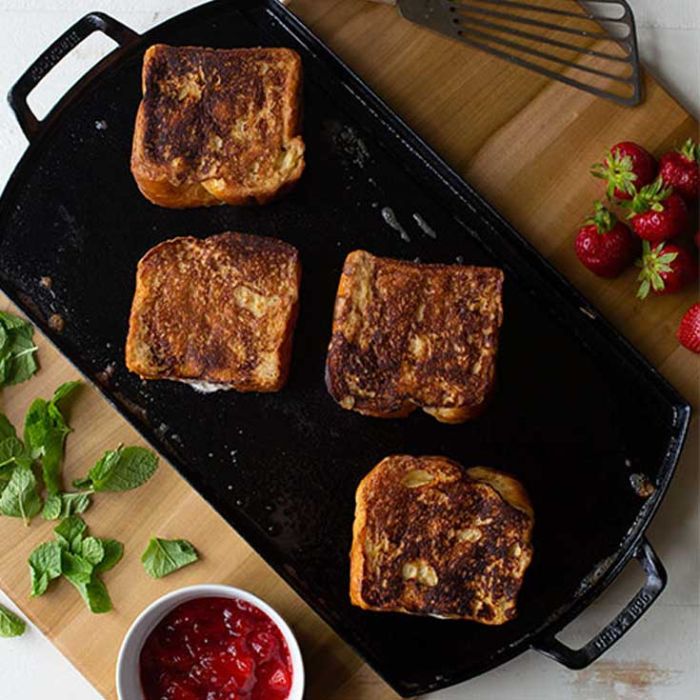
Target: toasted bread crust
point(219, 310)
point(409, 335)
point(218, 125)
point(430, 538)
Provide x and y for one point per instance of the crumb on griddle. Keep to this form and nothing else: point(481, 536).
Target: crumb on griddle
point(57, 323)
point(641, 485)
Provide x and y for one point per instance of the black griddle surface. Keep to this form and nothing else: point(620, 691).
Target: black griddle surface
point(283, 468)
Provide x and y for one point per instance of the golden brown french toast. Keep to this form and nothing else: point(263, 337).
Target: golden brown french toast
point(431, 538)
point(409, 335)
point(217, 312)
point(218, 125)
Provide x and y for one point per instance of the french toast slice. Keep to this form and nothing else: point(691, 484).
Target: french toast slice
point(217, 312)
point(408, 335)
point(431, 538)
point(218, 125)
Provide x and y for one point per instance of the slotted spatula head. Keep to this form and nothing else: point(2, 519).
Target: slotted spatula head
point(588, 45)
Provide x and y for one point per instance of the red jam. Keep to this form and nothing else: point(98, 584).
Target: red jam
point(216, 649)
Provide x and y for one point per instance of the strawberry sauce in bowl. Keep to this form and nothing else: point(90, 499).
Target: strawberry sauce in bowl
point(210, 643)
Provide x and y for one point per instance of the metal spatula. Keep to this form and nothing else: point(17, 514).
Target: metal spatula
point(588, 45)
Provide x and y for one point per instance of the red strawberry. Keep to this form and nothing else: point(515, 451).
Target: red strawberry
point(604, 245)
point(665, 269)
point(657, 213)
point(688, 332)
point(627, 168)
point(679, 169)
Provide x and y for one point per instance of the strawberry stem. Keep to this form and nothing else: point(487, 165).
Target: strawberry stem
point(690, 151)
point(603, 219)
point(618, 172)
point(649, 197)
point(652, 263)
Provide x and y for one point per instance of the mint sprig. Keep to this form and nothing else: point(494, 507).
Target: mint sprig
point(78, 557)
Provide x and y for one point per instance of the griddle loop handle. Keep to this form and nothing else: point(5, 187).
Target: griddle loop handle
point(83, 28)
point(647, 594)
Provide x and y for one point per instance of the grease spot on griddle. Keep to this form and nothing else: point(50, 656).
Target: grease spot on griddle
point(390, 218)
point(424, 226)
point(347, 143)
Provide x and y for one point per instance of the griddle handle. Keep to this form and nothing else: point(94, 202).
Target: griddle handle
point(647, 594)
point(94, 22)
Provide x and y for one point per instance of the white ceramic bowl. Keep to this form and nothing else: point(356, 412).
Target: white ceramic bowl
point(128, 681)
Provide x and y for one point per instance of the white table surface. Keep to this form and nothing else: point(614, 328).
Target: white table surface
point(658, 659)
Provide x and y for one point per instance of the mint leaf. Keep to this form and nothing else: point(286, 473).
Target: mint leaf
point(120, 470)
point(20, 498)
point(63, 505)
point(113, 552)
point(6, 428)
point(44, 566)
point(64, 390)
point(10, 624)
point(52, 507)
point(12, 322)
point(45, 431)
point(10, 449)
point(75, 568)
point(69, 533)
point(162, 557)
point(17, 350)
point(95, 594)
point(92, 550)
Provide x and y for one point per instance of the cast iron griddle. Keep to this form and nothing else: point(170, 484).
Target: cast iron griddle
point(283, 468)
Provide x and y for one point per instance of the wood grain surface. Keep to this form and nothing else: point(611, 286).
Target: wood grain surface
point(526, 144)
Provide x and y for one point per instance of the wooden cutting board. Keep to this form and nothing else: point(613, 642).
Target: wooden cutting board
point(526, 144)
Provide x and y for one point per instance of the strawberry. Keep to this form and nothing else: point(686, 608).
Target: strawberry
point(688, 332)
point(664, 269)
point(605, 245)
point(627, 168)
point(657, 213)
point(679, 169)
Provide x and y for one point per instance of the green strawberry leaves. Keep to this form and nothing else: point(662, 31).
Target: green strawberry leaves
point(163, 557)
point(653, 262)
point(17, 350)
point(618, 171)
point(650, 197)
point(603, 219)
point(690, 150)
point(10, 624)
point(120, 470)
